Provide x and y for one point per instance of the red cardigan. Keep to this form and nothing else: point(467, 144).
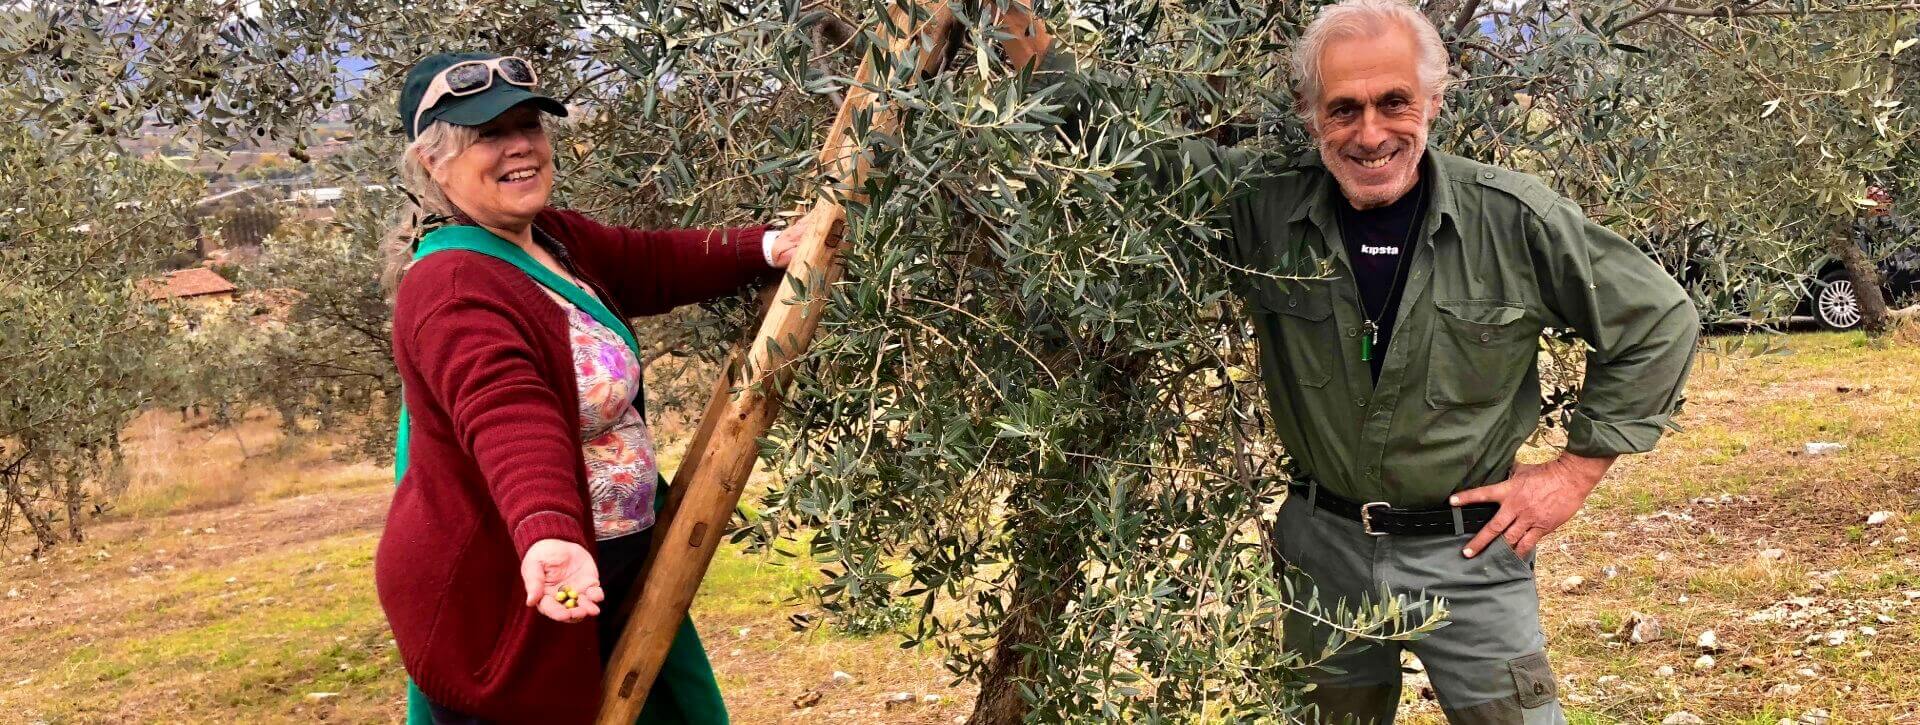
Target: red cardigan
point(495, 461)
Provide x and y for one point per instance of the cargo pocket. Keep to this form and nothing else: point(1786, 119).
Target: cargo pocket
point(1301, 315)
point(1481, 348)
point(1533, 680)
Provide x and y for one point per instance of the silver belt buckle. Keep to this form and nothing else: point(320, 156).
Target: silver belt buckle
point(1366, 517)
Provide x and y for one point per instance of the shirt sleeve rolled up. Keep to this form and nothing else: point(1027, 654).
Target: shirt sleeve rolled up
point(1640, 326)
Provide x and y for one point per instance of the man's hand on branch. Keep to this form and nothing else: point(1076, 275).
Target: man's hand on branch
point(1535, 501)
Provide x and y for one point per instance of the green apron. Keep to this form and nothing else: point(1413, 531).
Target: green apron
point(685, 691)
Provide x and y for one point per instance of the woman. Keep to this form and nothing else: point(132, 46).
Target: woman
point(528, 479)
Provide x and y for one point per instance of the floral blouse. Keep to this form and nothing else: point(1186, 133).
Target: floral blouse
point(621, 474)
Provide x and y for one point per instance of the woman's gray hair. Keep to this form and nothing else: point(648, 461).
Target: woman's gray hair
point(1364, 19)
point(441, 142)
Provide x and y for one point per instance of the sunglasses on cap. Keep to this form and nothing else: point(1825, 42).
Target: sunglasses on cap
point(469, 77)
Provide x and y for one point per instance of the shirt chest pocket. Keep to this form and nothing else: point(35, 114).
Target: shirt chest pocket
point(1304, 335)
point(1481, 350)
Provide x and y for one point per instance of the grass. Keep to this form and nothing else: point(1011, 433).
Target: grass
point(175, 466)
point(237, 587)
point(1739, 476)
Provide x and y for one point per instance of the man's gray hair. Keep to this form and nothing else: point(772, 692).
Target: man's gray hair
point(1365, 19)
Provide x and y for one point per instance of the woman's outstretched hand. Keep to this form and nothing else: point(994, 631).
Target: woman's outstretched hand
point(557, 572)
point(785, 245)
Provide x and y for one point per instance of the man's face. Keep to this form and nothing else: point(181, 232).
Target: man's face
point(1372, 117)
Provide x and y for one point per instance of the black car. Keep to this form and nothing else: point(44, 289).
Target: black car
point(1698, 256)
point(1893, 243)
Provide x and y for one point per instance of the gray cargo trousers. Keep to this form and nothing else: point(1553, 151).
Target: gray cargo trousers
point(1488, 664)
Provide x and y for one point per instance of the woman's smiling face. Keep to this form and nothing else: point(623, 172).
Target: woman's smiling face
point(506, 176)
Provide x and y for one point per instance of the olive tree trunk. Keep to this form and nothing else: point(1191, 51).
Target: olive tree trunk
point(1874, 317)
point(1048, 555)
point(1045, 580)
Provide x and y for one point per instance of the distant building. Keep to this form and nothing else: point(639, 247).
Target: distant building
point(199, 284)
point(325, 195)
point(195, 295)
point(322, 196)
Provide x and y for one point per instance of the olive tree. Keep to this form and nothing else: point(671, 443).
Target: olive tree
point(1769, 130)
point(78, 228)
point(1030, 431)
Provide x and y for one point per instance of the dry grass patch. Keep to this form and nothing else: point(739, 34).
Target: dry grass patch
point(142, 624)
point(174, 464)
point(1683, 535)
point(235, 583)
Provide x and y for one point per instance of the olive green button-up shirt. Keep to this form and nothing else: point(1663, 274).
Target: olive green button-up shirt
point(1499, 257)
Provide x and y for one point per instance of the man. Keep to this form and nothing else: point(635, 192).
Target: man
point(1404, 383)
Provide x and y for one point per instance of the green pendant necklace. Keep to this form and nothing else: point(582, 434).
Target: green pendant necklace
point(1370, 327)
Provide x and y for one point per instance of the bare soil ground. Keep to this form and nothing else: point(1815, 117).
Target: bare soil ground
point(239, 588)
point(236, 587)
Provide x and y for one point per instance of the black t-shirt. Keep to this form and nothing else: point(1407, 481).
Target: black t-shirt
point(1377, 239)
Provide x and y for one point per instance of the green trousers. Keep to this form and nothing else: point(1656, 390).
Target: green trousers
point(685, 693)
point(1488, 665)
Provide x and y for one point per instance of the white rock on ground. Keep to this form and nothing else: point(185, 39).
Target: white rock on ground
point(1708, 642)
point(1664, 671)
point(1642, 628)
point(1838, 637)
point(1816, 716)
point(1879, 517)
point(1683, 718)
point(1704, 663)
point(841, 678)
point(1572, 583)
point(1784, 689)
point(1773, 554)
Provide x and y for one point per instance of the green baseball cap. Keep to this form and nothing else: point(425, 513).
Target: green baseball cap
point(468, 110)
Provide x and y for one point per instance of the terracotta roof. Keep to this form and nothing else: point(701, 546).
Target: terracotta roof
point(190, 282)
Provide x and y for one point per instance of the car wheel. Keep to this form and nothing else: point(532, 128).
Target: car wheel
point(1835, 306)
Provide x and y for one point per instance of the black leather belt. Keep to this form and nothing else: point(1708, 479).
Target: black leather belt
point(1378, 518)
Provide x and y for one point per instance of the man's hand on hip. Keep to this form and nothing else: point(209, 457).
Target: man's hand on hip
point(1535, 501)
